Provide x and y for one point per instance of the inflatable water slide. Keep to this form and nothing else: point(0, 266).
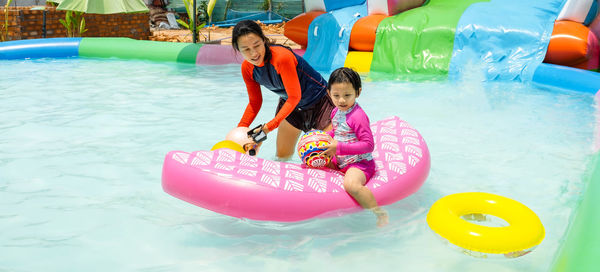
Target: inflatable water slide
point(399, 39)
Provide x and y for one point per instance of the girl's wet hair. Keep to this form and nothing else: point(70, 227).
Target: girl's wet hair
point(246, 27)
point(345, 75)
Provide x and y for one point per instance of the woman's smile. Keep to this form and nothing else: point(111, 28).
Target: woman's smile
point(252, 48)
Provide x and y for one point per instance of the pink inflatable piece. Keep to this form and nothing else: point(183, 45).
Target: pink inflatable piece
point(242, 186)
point(217, 54)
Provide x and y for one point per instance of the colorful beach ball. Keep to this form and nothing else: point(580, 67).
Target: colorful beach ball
point(310, 146)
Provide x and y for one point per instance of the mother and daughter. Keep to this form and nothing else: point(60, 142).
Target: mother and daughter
point(305, 103)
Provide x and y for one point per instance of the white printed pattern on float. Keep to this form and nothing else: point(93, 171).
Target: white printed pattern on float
point(381, 175)
point(249, 161)
point(271, 167)
point(388, 130)
point(271, 180)
point(337, 180)
point(202, 158)
point(414, 150)
point(316, 173)
point(291, 185)
point(391, 147)
point(248, 172)
point(291, 174)
point(181, 157)
point(393, 157)
point(226, 155)
point(319, 185)
point(388, 138)
point(224, 167)
point(398, 167)
point(411, 140)
point(409, 132)
point(293, 166)
point(404, 125)
point(413, 160)
point(379, 165)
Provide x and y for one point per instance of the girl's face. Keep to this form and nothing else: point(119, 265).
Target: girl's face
point(343, 95)
point(252, 48)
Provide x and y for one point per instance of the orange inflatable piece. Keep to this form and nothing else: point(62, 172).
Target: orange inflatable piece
point(297, 29)
point(362, 37)
point(569, 44)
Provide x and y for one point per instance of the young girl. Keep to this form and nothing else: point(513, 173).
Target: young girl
point(303, 102)
point(352, 143)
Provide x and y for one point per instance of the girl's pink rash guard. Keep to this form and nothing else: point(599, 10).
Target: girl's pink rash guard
point(354, 137)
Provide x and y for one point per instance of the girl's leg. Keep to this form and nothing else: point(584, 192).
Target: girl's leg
point(354, 184)
point(287, 136)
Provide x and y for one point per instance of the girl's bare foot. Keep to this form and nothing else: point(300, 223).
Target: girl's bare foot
point(382, 216)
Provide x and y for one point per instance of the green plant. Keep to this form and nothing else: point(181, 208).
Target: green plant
point(266, 5)
point(4, 30)
point(279, 7)
point(227, 7)
point(74, 23)
point(190, 12)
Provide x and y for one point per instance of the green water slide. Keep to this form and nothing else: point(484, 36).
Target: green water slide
point(126, 48)
point(418, 41)
point(581, 250)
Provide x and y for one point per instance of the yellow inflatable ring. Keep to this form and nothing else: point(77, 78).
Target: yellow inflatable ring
point(230, 145)
point(524, 232)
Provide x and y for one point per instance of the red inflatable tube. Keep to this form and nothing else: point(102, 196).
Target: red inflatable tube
point(297, 28)
point(362, 37)
point(573, 44)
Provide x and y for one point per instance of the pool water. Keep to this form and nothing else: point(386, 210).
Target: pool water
point(82, 143)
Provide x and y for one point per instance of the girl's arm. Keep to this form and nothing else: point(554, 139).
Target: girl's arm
point(254, 95)
point(359, 123)
point(285, 63)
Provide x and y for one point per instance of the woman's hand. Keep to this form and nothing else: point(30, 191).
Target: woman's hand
point(330, 149)
point(263, 128)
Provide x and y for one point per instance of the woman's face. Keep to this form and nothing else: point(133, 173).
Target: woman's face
point(252, 48)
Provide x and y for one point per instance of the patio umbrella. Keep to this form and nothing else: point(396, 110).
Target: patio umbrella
point(104, 6)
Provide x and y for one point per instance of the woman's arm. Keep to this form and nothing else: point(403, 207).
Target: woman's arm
point(254, 96)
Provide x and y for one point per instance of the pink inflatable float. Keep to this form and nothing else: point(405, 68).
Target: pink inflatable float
point(238, 185)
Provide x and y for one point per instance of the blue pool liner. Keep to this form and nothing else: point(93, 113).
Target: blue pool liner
point(337, 4)
point(509, 38)
point(568, 78)
point(329, 37)
point(40, 48)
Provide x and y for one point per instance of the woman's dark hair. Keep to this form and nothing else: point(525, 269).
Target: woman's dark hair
point(246, 27)
point(345, 75)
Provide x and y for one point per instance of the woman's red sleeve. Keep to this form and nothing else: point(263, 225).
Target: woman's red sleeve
point(254, 95)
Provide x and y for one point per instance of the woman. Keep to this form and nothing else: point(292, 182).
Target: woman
point(303, 100)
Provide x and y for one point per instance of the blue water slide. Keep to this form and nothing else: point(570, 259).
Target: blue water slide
point(329, 37)
point(40, 48)
point(508, 37)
